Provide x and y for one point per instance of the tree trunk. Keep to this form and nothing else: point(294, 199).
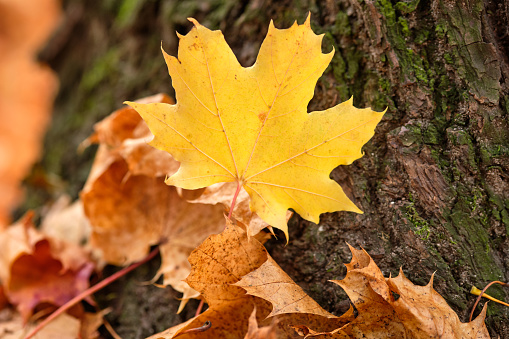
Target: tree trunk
point(433, 182)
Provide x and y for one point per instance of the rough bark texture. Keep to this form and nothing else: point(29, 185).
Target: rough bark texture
point(433, 183)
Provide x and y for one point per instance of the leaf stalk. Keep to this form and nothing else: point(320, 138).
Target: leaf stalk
point(239, 186)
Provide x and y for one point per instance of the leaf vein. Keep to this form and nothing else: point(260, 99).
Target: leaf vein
point(294, 188)
point(270, 108)
point(261, 197)
point(217, 109)
point(309, 149)
point(194, 95)
point(189, 141)
point(204, 176)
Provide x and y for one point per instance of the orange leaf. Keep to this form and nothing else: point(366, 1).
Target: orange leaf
point(221, 260)
point(37, 269)
point(216, 264)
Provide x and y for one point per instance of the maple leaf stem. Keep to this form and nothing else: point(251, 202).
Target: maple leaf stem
point(239, 186)
point(200, 306)
point(90, 291)
point(481, 294)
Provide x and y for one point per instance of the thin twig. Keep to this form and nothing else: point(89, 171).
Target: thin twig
point(475, 291)
point(482, 292)
point(90, 291)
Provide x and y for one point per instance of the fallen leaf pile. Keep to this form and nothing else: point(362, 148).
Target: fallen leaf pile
point(218, 266)
point(243, 139)
point(129, 206)
point(235, 275)
point(27, 89)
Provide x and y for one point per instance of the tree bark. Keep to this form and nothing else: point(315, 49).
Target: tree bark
point(433, 182)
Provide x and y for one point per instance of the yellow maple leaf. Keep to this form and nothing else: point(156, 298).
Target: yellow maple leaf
point(251, 126)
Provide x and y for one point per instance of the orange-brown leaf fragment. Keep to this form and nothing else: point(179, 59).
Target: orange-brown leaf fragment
point(123, 134)
point(219, 262)
point(251, 126)
point(67, 221)
point(37, 269)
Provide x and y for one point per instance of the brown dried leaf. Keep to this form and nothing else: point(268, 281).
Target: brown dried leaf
point(424, 312)
point(64, 326)
point(129, 216)
point(90, 323)
point(218, 266)
point(125, 123)
point(38, 269)
point(75, 324)
point(124, 135)
point(419, 312)
point(220, 261)
point(229, 321)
